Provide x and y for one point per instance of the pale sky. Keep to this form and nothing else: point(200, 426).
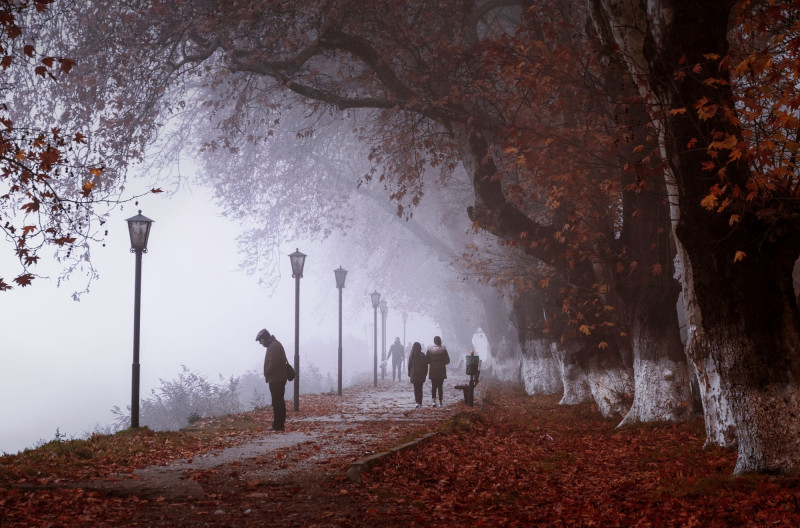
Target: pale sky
point(65, 364)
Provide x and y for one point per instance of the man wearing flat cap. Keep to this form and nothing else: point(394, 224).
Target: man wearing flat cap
point(275, 376)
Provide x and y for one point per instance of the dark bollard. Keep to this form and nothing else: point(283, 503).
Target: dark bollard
point(474, 372)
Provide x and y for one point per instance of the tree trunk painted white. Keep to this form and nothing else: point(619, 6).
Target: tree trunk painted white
point(507, 369)
point(662, 377)
point(540, 368)
point(760, 395)
point(573, 378)
point(662, 392)
point(717, 412)
point(611, 388)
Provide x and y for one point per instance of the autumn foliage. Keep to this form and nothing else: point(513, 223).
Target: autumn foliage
point(53, 184)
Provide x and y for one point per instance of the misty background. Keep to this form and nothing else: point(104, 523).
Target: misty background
point(67, 363)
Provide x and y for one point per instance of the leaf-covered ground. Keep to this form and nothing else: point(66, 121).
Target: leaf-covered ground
point(511, 460)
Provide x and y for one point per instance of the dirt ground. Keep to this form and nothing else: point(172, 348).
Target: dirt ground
point(511, 461)
point(295, 478)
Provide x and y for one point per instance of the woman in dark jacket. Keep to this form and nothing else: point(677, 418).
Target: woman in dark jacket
point(417, 370)
point(437, 359)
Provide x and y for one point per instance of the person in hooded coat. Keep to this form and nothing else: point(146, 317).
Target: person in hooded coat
point(438, 358)
point(417, 371)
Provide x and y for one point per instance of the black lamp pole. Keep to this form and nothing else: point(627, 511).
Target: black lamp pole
point(298, 261)
point(341, 275)
point(139, 230)
point(405, 320)
point(384, 309)
point(376, 298)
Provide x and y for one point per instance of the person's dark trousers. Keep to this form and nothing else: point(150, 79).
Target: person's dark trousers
point(418, 393)
point(436, 384)
point(396, 367)
point(277, 390)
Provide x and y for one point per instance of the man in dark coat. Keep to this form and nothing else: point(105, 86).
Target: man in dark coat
point(417, 371)
point(398, 355)
point(438, 358)
point(275, 375)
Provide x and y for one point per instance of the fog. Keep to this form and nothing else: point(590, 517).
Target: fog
point(65, 364)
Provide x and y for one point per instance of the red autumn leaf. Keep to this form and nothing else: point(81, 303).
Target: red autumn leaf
point(24, 279)
point(66, 64)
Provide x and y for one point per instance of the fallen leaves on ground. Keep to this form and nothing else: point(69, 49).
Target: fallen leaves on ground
point(512, 460)
point(523, 461)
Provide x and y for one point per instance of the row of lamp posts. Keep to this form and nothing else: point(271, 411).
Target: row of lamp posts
point(139, 230)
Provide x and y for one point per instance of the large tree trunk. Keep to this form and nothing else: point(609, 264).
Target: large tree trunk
point(541, 371)
point(609, 379)
point(573, 376)
point(717, 413)
point(746, 338)
point(541, 367)
point(745, 325)
point(744, 330)
point(504, 349)
point(661, 376)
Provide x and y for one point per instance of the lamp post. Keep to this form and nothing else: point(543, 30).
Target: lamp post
point(376, 299)
point(341, 275)
point(139, 230)
point(405, 320)
point(298, 261)
point(384, 309)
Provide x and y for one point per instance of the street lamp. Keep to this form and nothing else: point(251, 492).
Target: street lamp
point(405, 320)
point(384, 309)
point(341, 275)
point(376, 299)
point(139, 230)
point(298, 261)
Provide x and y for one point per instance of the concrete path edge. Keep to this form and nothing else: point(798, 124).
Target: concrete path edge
point(359, 466)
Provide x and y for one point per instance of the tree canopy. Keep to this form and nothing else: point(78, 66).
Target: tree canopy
point(600, 140)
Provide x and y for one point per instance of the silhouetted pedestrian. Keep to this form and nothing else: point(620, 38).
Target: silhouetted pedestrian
point(438, 358)
point(397, 353)
point(417, 370)
point(275, 375)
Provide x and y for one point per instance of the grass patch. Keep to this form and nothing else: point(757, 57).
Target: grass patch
point(100, 454)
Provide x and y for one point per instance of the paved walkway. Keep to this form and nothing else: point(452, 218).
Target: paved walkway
point(333, 435)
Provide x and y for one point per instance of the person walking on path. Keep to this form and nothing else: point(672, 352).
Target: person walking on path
point(438, 358)
point(275, 375)
point(398, 354)
point(417, 371)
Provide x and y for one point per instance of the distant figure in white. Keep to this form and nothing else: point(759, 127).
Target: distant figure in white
point(438, 358)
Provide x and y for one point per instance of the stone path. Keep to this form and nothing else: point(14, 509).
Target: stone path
point(337, 434)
